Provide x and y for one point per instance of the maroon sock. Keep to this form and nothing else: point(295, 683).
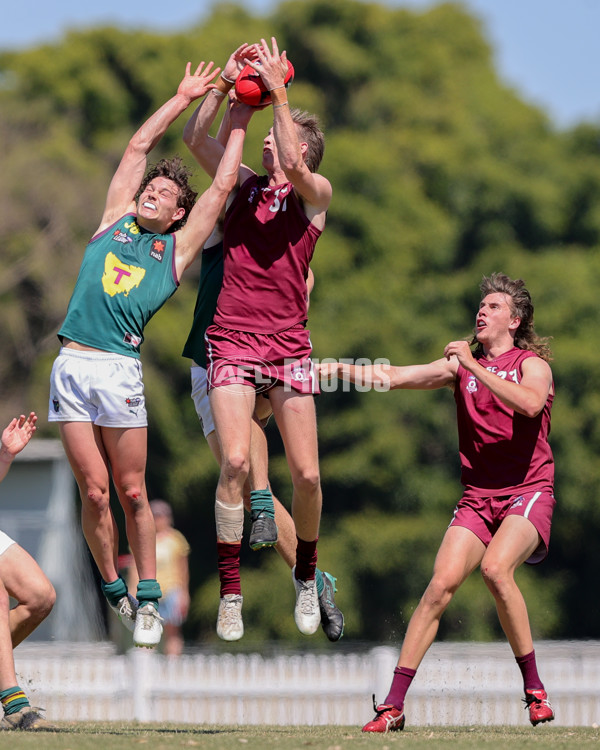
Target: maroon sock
point(306, 559)
point(403, 676)
point(228, 556)
point(528, 667)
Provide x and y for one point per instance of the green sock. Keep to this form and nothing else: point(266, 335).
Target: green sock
point(261, 501)
point(13, 699)
point(114, 591)
point(319, 580)
point(148, 592)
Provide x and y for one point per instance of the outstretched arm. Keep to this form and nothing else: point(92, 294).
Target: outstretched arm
point(206, 211)
point(130, 172)
point(384, 377)
point(15, 437)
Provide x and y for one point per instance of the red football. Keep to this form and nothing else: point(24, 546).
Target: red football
point(250, 89)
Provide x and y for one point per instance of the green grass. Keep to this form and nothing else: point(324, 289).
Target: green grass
point(118, 736)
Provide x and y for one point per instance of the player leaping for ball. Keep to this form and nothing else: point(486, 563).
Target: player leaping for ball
point(503, 392)
point(271, 228)
point(131, 266)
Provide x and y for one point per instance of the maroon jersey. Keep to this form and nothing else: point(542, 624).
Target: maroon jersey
point(268, 244)
point(502, 452)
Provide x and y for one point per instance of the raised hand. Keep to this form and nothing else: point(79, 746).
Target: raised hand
point(237, 61)
point(195, 85)
point(462, 351)
point(271, 66)
point(17, 434)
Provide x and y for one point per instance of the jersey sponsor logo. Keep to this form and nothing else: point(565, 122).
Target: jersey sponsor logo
point(119, 277)
point(122, 237)
point(131, 338)
point(157, 251)
point(55, 404)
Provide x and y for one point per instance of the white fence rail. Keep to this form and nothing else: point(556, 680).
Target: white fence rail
point(457, 684)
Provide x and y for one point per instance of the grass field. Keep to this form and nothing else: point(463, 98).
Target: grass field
point(116, 736)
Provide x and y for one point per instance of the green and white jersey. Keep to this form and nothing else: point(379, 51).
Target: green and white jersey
point(126, 276)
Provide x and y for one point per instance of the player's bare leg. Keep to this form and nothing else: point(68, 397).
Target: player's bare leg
point(126, 449)
point(30, 588)
point(459, 554)
point(286, 536)
point(332, 619)
point(8, 678)
point(286, 544)
point(232, 408)
point(85, 450)
point(21, 578)
point(264, 531)
point(296, 418)
point(514, 542)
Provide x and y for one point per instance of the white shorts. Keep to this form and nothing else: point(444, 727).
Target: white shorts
point(201, 400)
point(5, 542)
point(98, 387)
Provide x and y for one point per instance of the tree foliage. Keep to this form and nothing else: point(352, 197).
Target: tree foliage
point(441, 174)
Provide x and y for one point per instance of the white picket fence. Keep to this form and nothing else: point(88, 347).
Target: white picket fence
point(457, 684)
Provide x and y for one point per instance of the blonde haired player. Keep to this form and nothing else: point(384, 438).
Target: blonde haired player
point(503, 392)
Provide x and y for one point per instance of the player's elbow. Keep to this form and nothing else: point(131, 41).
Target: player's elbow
point(224, 182)
point(531, 408)
point(532, 413)
point(139, 145)
point(189, 137)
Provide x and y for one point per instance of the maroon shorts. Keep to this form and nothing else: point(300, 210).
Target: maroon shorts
point(261, 360)
point(483, 516)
